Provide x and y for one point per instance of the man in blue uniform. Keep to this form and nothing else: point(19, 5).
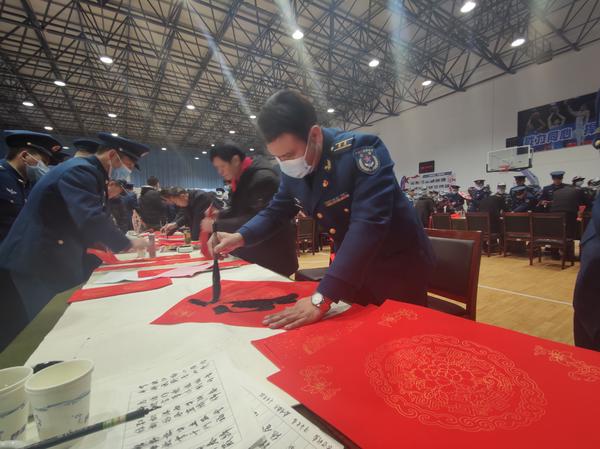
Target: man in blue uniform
point(85, 147)
point(27, 160)
point(586, 299)
point(478, 193)
point(45, 251)
point(455, 200)
point(522, 199)
point(346, 181)
point(545, 201)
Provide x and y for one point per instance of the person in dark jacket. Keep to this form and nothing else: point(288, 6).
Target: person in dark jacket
point(254, 182)
point(152, 207)
point(425, 207)
point(494, 205)
point(192, 205)
point(567, 200)
point(116, 204)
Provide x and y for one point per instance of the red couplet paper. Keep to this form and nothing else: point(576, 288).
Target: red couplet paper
point(123, 289)
point(241, 304)
point(413, 377)
point(222, 266)
point(297, 347)
point(152, 264)
point(104, 256)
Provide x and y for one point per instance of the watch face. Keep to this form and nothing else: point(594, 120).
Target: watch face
point(317, 299)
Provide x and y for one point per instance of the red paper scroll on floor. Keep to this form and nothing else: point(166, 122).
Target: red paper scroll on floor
point(222, 265)
point(104, 256)
point(416, 378)
point(123, 289)
point(175, 257)
point(155, 263)
point(241, 304)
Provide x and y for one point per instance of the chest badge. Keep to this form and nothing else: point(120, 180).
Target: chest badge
point(11, 191)
point(366, 160)
point(327, 166)
point(337, 199)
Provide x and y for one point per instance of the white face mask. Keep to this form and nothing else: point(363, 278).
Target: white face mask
point(579, 183)
point(296, 168)
point(121, 172)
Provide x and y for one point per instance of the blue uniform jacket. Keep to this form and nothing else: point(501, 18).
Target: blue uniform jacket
point(13, 194)
point(45, 250)
point(381, 248)
point(586, 299)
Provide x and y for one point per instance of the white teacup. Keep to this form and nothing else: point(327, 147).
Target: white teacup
point(14, 408)
point(60, 397)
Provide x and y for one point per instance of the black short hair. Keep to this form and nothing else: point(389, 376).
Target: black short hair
point(172, 191)
point(152, 181)
point(286, 111)
point(226, 152)
point(14, 151)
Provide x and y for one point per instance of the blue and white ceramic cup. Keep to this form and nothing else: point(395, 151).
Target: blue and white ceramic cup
point(14, 408)
point(60, 398)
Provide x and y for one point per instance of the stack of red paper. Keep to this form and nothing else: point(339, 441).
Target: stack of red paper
point(406, 376)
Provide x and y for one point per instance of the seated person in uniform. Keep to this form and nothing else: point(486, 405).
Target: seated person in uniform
point(253, 181)
point(191, 204)
point(346, 181)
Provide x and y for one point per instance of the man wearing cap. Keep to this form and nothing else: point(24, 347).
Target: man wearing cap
point(501, 193)
point(522, 200)
point(45, 251)
point(545, 200)
point(478, 193)
point(85, 147)
point(27, 160)
point(455, 200)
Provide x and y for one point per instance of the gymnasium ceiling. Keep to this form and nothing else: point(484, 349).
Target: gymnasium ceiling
point(226, 57)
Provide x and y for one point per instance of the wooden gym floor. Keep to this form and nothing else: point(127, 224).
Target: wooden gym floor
point(536, 300)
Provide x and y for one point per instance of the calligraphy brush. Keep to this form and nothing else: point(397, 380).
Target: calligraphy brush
point(216, 274)
point(59, 439)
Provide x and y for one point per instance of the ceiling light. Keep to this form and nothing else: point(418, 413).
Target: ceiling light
point(517, 42)
point(27, 103)
point(251, 149)
point(298, 35)
point(190, 106)
point(48, 128)
point(114, 134)
point(196, 158)
point(331, 110)
point(60, 83)
point(205, 152)
point(112, 115)
point(164, 149)
point(426, 83)
point(65, 148)
point(252, 117)
point(468, 7)
point(106, 59)
point(232, 132)
point(212, 144)
point(373, 63)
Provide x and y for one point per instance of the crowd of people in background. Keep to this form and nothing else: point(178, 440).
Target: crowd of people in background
point(571, 199)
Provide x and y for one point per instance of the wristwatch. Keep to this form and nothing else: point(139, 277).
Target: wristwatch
point(318, 300)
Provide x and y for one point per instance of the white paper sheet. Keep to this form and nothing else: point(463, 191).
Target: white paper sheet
point(282, 427)
point(201, 406)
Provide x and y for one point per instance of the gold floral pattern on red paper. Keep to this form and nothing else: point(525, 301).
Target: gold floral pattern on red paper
point(314, 343)
point(455, 384)
point(580, 370)
point(316, 383)
point(391, 318)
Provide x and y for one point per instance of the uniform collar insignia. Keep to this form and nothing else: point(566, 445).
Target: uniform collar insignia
point(342, 145)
